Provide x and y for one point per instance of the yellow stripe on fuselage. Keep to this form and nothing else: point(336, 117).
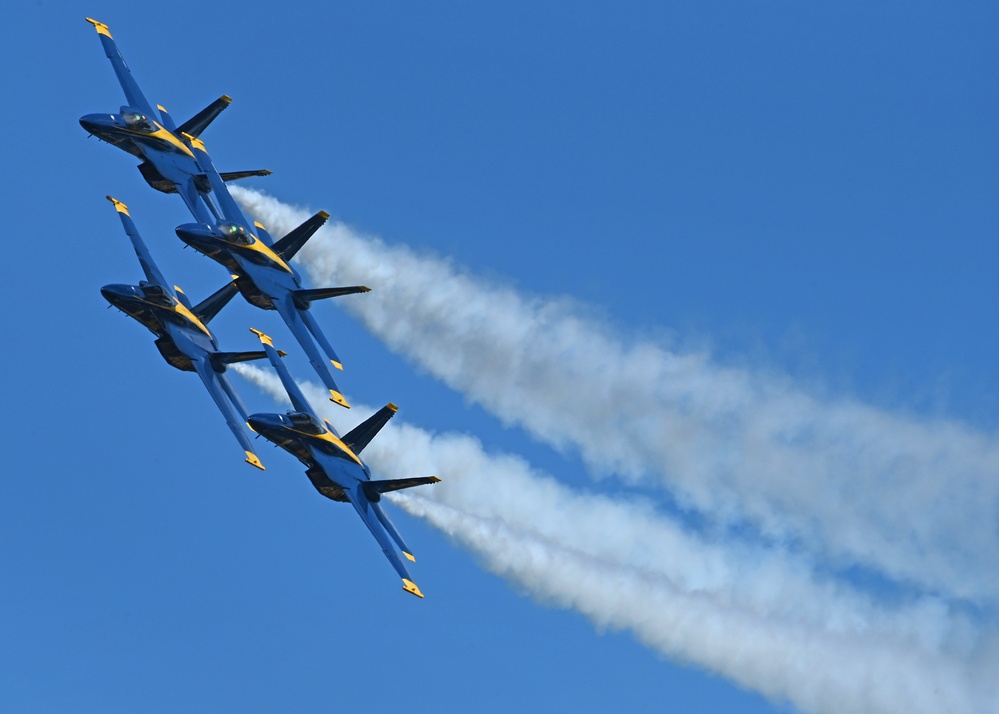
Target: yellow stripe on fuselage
point(331, 438)
point(180, 309)
point(163, 135)
point(195, 141)
point(258, 246)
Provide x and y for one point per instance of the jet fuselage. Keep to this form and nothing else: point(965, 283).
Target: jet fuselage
point(181, 335)
point(168, 159)
point(263, 277)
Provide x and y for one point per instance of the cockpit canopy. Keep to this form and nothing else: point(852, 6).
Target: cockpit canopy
point(136, 120)
point(305, 423)
point(236, 233)
point(156, 294)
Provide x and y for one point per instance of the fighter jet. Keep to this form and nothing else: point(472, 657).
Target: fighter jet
point(149, 134)
point(333, 465)
point(181, 330)
point(261, 270)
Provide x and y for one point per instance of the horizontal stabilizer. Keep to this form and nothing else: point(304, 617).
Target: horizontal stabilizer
point(374, 489)
point(304, 297)
point(296, 238)
point(210, 306)
point(236, 175)
point(200, 121)
point(221, 359)
point(362, 434)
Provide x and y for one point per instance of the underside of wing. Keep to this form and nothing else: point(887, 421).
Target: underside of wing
point(133, 95)
point(225, 398)
point(373, 518)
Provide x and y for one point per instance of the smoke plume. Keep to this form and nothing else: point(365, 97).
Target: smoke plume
point(759, 616)
point(914, 500)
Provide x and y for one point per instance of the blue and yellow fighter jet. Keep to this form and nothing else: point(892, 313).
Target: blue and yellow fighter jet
point(332, 462)
point(182, 335)
point(260, 268)
point(149, 134)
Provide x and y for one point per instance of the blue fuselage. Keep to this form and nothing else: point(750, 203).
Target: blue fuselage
point(263, 278)
point(180, 338)
point(170, 160)
point(330, 468)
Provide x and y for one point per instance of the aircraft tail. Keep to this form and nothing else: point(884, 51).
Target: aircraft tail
point(305, 296)
point(200, 121)
point(293, 242)
point(210, 306)
point(362, 434)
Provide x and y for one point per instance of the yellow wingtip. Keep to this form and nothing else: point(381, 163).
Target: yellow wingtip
point(410, 587)
point(409, 555)
point(264, 339)
point(392, 407)
point(118, 205)
point(101, 28)
point(226, 98)
point(325, 215)
point(336, 364)
point(252, 460)
point(337, 398)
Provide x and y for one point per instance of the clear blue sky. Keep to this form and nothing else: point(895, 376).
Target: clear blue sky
point(810, 191)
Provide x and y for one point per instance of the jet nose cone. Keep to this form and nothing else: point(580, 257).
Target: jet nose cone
point(94, 123)
point(116, 294)
point(259, 423)
point(195, 234)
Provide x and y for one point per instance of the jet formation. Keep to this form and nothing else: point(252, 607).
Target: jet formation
point(174, 159)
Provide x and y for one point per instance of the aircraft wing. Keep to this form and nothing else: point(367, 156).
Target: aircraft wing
point(230, 209)
point(373, 517)
point(219, 390)
point(133, 95)
point(298, 400)
point(153, 274)
point(294, 319)
point(188, 191)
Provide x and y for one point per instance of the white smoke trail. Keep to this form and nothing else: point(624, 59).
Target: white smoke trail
point(916, 500)
point(758, 617)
